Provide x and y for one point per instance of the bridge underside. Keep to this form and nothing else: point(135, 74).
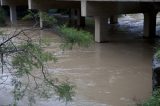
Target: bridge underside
point(96, 8)
point(42, 4)
point(100, 10)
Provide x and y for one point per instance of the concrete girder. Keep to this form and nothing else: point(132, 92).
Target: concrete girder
point(42, 4)
point(14, 2)
point(108, 8)
point(111, 8)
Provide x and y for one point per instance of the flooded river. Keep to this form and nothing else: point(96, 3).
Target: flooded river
point(117, 73)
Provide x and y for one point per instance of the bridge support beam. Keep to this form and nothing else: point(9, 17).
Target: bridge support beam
point(114, 20)
point(13, 15)
point(150, 24)
point(100, 29)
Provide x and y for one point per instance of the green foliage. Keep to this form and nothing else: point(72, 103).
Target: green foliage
point(158, 53)
point(65, 91)
point(72, 37)
point(27, 58)
point(154, 100)
point(48, 20)
point(31, 15)
point(31, 57)
point(2, 17)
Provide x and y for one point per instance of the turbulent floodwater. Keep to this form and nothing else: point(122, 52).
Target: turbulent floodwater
point(117, 73)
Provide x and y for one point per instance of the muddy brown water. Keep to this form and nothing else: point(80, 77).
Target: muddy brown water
point(117, 73)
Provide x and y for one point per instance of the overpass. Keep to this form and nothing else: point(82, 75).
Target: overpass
point(101, 10)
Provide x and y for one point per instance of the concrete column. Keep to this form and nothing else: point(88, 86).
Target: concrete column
point(72, 15)
point(113, 19)
point(100, 29)
point(75, 18)
point(29, 4)
point(84, 7)
point(13, 15)
point(150, 24)
point(70, 18)
point(40, 19)
point(80, 19)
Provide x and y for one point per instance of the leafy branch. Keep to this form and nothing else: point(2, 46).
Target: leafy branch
point(24, 57)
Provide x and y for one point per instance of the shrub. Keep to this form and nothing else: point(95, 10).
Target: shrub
point(154, 100)
point(72, 37)
point(48, 21)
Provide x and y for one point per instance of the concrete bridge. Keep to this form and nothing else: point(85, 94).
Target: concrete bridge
point(101, 10)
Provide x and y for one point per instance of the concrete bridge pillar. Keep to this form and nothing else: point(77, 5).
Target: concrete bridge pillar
point(113, 19)
point(41, 23)
point(82, 22)
point(150, 24)
point(100, 29)
point(40, 19)
point(75, 18)
point(80, 19)
point(72, 15)
point(13, 14)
